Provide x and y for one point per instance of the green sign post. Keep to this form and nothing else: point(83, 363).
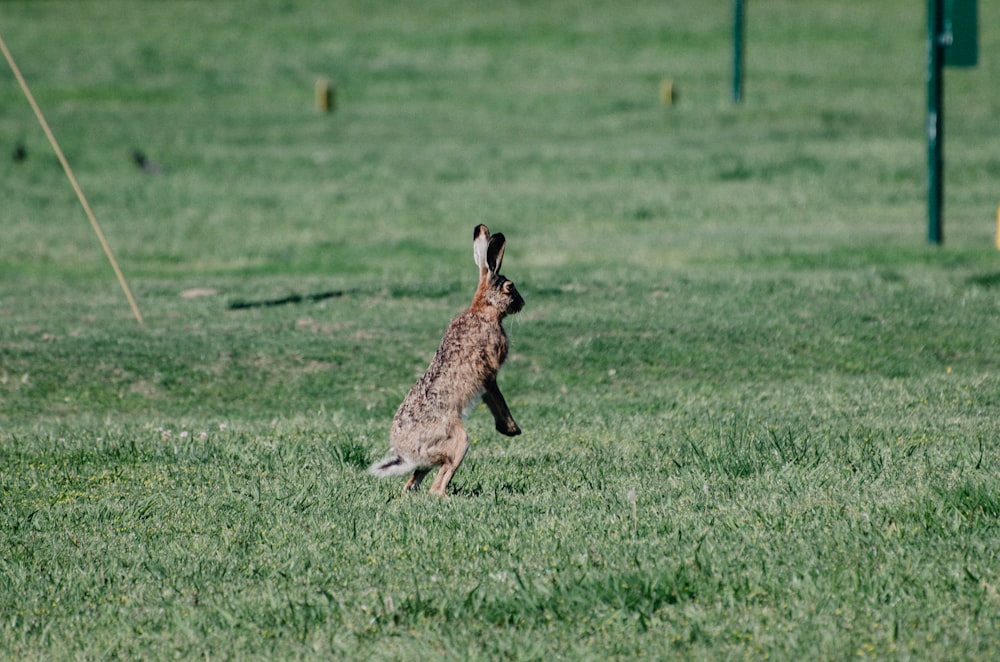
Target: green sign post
point(961, 33)
point(952, 40)
point(739, 19)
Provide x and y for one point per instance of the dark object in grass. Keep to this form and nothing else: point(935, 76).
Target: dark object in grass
point(20, 153)
point(145, 164)
point(283, 301)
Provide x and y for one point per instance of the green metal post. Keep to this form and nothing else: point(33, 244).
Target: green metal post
point(739, 14)
point(935, 122)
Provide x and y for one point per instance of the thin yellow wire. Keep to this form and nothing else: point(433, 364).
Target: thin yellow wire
point(72, 180)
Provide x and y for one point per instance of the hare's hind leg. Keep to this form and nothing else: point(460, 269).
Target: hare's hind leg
point(458, 445)
point(415, 480)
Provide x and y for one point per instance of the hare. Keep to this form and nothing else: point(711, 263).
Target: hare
point(427, 428)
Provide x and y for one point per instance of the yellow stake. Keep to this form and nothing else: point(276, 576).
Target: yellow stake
point(668, 93)
point(326, 96)
point(998, 229)
point(72, 180)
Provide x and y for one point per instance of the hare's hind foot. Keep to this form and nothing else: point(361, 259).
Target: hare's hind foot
point(415, 480)
point(458, 446)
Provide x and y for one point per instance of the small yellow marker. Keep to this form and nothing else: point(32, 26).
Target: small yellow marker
point(998, 229)
point(326, 96)
point(667, 92)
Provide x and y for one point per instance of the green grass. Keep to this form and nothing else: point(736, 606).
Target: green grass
point(759, 412)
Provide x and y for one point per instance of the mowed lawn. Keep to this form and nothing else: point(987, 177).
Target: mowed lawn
point(760, 412)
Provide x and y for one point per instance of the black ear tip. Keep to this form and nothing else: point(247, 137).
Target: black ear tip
point(494, 254)
point(478, 230)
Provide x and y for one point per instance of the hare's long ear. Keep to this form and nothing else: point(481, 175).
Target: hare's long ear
point(480, 244)
point(494, 255)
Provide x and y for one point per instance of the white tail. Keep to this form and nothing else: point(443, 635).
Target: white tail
point(394, 465)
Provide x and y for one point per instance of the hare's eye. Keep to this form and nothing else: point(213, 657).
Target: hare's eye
point(507, 287)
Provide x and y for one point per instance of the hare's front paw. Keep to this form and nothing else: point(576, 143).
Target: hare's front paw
point(508, 428)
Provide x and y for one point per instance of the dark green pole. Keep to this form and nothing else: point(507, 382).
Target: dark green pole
point(739, 13)
point(935, 122)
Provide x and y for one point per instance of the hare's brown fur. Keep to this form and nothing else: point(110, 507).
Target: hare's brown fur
point(427, 428)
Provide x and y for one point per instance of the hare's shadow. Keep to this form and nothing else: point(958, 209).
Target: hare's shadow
point(985, 280)
point(241, 304)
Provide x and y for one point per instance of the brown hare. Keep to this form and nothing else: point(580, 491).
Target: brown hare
point(427, 428)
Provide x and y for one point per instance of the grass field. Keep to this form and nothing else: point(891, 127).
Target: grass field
point(760, 413)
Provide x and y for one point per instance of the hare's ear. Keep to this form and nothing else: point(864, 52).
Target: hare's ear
point(480, 243)
point(494, 255)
